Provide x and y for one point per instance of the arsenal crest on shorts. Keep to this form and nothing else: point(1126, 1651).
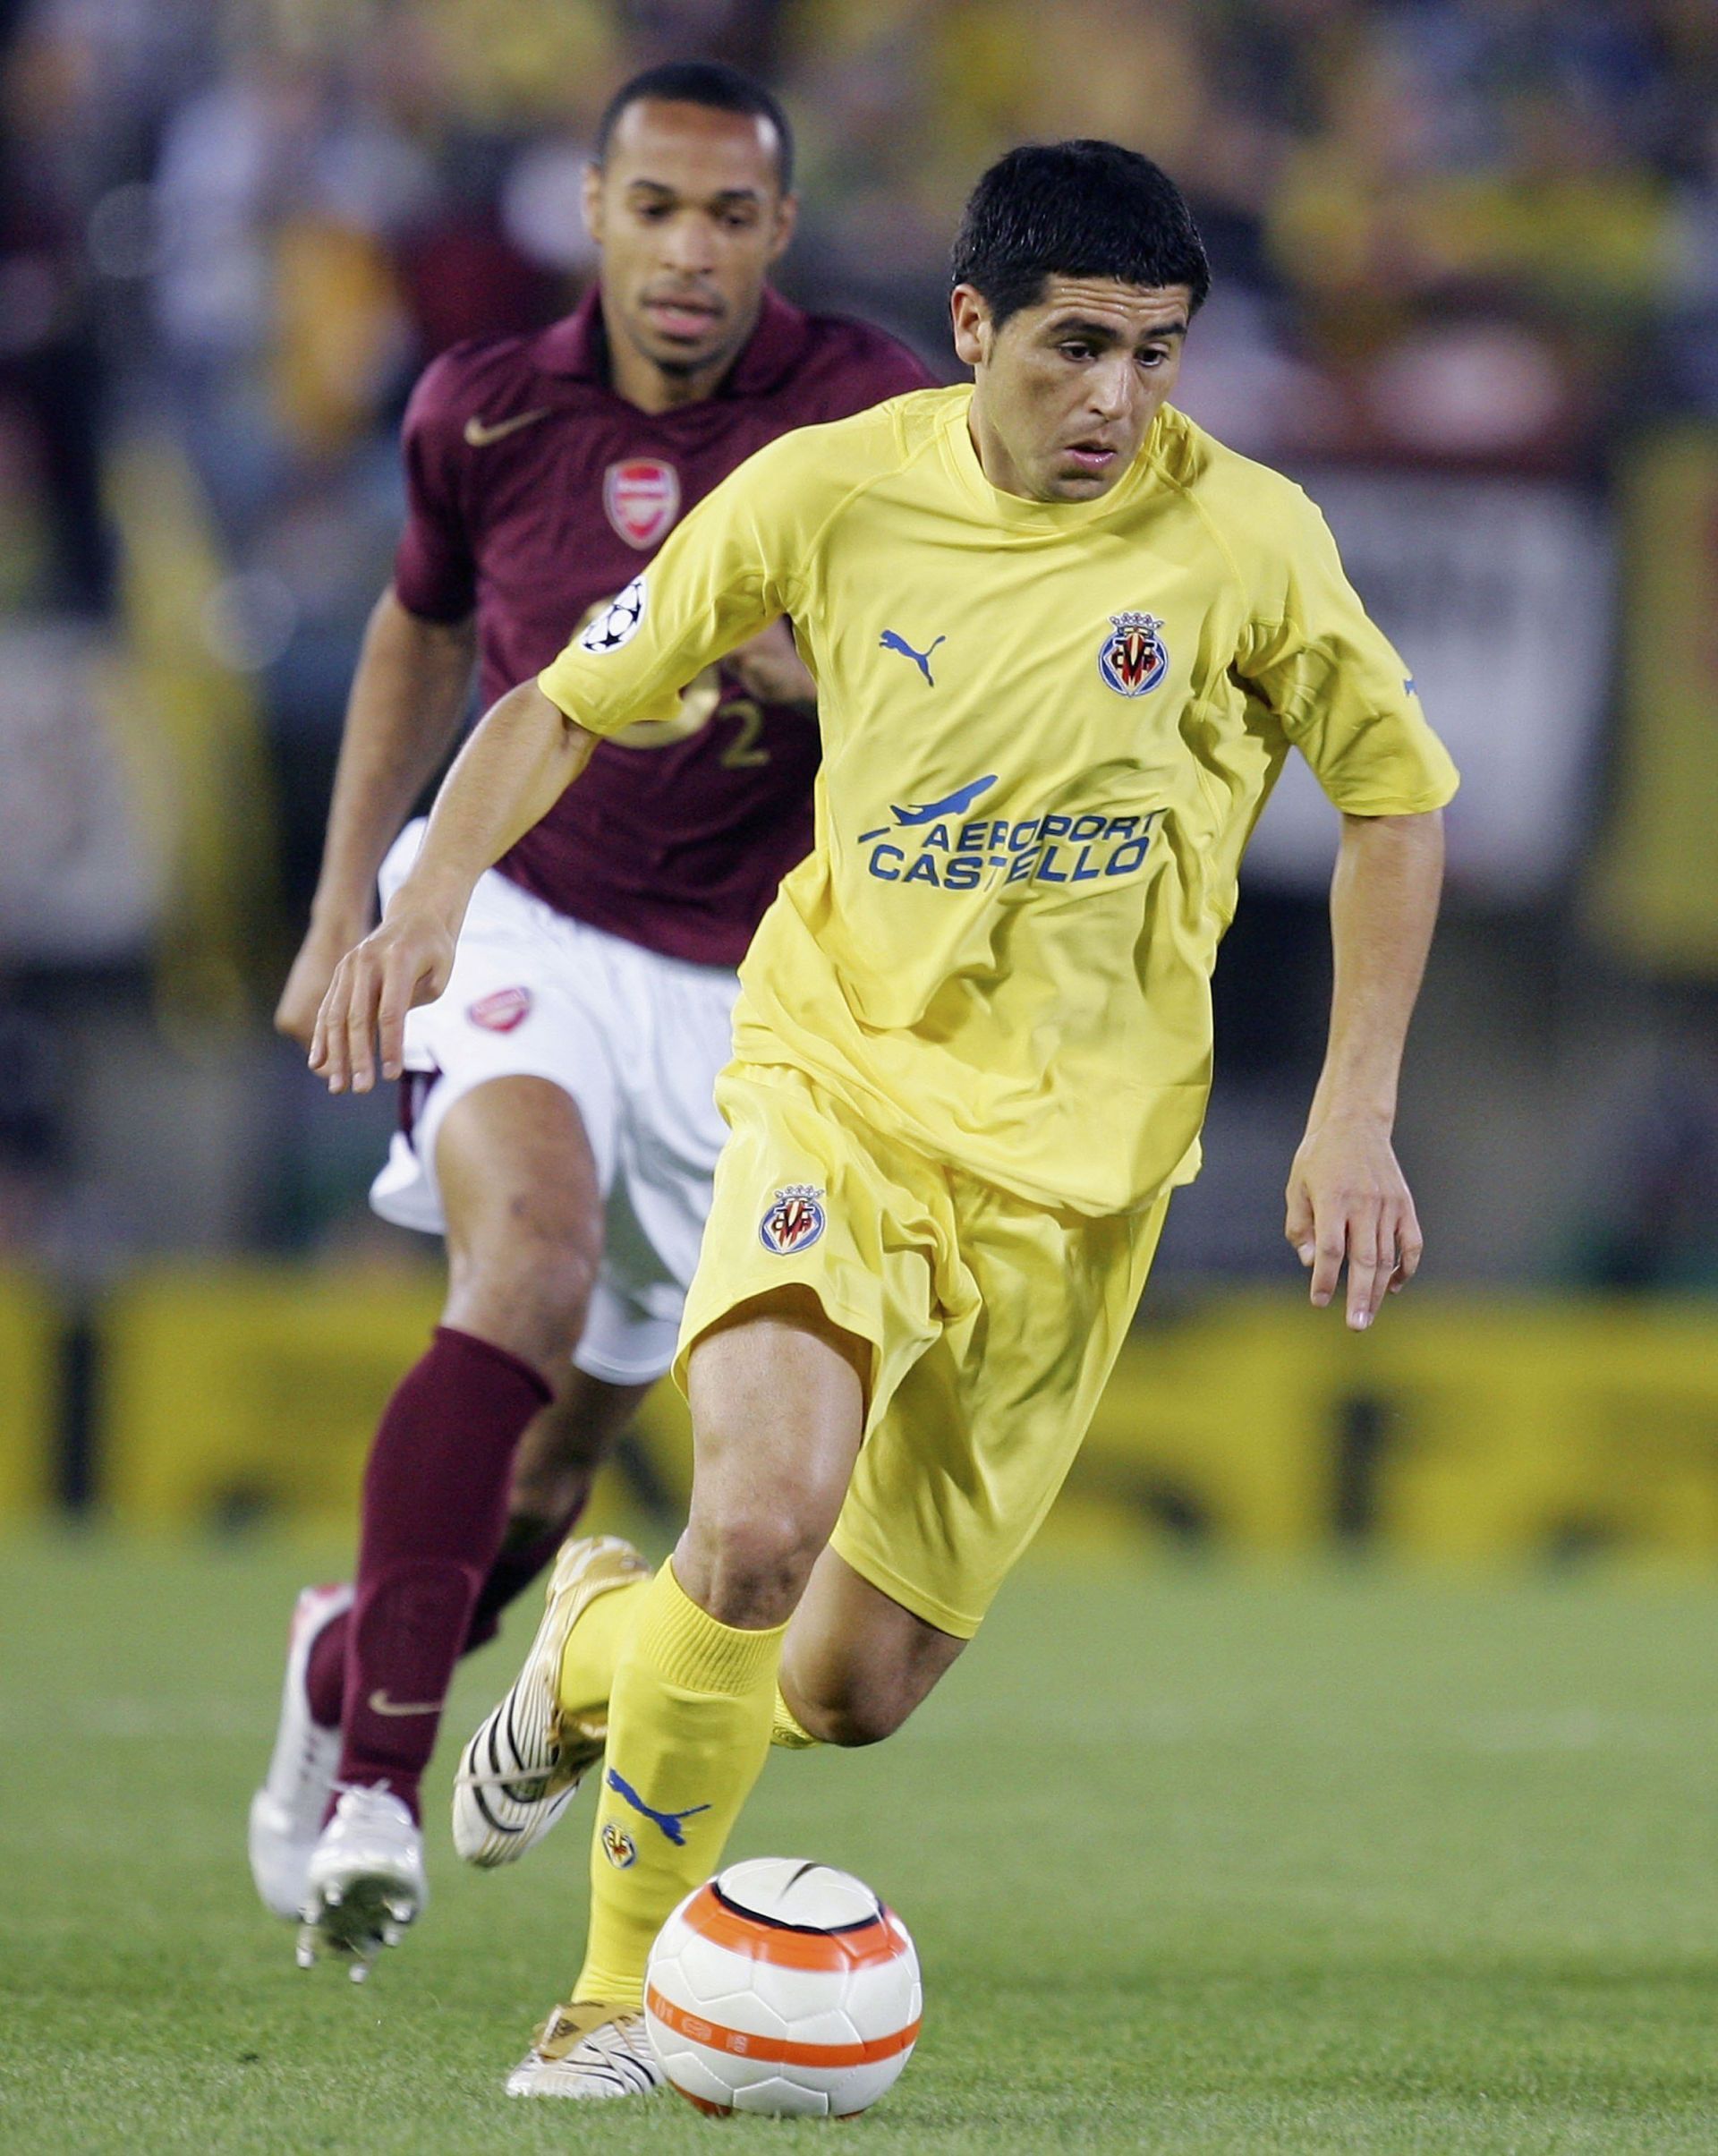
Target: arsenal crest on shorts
point(795, 1220)
point(642, 495)
point(501, 1010)
point(1134, 657)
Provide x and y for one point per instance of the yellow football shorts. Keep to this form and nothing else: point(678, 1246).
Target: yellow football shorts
point(994, 1324)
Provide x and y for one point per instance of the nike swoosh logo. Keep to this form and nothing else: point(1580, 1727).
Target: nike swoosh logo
point(479, 435)
point(379, 1703)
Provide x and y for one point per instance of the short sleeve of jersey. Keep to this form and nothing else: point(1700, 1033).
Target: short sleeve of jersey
point(1334, 682)
point(725, 572)
point(435, 574)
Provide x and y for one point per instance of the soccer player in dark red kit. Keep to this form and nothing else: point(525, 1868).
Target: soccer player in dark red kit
point(561, 1130)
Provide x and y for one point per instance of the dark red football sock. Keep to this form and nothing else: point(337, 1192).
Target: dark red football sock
point(531, 1545)
point(527, 1547)
point(434, 1512)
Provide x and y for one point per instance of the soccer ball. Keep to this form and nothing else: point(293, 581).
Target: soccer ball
point(783, 1986)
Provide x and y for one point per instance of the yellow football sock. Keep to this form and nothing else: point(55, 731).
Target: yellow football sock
point(689, 1720)
point(787, 1730)
point(592, 1650)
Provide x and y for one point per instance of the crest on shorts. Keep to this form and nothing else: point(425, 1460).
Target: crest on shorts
point(795, 1220)
point(1134, 657)
point(501, 1010)
point(618, 1846)
point(641, 495)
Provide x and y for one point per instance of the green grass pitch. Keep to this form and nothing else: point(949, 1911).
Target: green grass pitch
point(1195, 1861)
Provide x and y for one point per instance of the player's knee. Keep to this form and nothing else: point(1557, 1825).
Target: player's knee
point(753, 1560)
point(557, 1288)
point(861, 1715)
point(858, 1699)
point(529, 1293)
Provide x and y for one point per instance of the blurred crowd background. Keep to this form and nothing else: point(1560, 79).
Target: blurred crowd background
point(1466, 289)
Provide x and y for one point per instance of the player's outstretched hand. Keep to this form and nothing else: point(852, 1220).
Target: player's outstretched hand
point(1348, 1201)
point(405, 962)
point(768, 668)
point(307, 983)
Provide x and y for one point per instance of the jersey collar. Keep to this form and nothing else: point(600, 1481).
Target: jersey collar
point(577, 346)
point(1014, 512)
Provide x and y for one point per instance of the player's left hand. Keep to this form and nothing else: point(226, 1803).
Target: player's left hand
point(770, 669)
point(405, 962)
point(1348, 1201)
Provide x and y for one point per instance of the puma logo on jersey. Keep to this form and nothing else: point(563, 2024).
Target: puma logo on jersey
point(479, 433)
point(891, 641)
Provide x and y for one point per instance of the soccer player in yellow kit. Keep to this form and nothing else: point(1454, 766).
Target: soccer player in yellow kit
point(1063, 642)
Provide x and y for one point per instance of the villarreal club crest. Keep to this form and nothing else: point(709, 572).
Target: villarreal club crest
point(794, 1219)
point(1133, 658)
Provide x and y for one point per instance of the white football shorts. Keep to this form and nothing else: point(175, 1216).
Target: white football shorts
point(634, 1037)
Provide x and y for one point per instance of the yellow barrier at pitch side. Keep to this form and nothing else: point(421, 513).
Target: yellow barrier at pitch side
point(28, 1356)
point(249, 1395)
point(250, 1392)
point(1463, 1428)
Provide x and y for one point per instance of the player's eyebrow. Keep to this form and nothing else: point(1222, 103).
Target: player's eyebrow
point(1105, 333)
point(723, 195)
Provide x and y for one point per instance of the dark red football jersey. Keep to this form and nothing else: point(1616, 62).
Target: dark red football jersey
point(535, 493)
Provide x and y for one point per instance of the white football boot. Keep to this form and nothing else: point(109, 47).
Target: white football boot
point(364, 1883)
point(286, 1812)
point(590, 2050)
point(522, 1769)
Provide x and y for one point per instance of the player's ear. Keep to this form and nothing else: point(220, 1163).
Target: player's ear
point(787, 221)
point(590, 199)
point(971, 320)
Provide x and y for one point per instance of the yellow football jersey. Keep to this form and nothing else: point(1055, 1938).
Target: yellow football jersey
point(1047, 731)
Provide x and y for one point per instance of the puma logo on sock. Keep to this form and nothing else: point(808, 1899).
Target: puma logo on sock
point(668, 1821)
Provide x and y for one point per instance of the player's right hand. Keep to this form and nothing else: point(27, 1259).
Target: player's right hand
point(307, 983)
point(769, 667)
point(405, 962)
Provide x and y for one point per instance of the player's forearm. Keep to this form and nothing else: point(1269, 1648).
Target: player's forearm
point(408, 697)
point(518, 762)
point(1383, 907)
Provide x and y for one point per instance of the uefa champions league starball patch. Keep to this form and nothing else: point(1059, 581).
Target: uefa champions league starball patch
point(1133, 658)
point(615, 624)
point(795, 1220)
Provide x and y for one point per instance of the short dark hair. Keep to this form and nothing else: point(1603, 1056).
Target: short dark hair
point(1081, 208)
point(702, 82)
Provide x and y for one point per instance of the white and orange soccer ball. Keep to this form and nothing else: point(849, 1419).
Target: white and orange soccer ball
point(783, 1986)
